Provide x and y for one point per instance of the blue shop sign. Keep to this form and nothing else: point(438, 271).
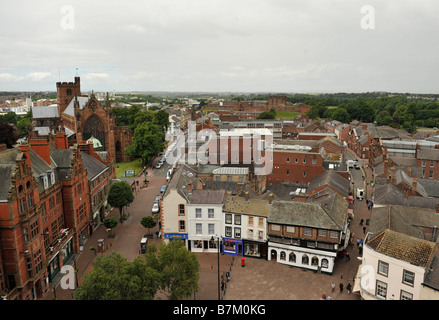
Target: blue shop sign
point(230, 246)
point(174, 236)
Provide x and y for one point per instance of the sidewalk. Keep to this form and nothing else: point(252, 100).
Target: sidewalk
point(83, 261)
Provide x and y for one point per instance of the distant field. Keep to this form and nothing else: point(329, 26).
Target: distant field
point(135, 165)
point(286, 115)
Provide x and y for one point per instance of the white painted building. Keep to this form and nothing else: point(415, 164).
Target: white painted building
point(393, 266)
point(205, 219)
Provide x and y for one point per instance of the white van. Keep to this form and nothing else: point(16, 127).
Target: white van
point(360, 193)
point(350, 163)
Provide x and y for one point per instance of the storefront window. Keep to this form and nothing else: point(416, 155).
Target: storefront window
point(325, 263)
point(305, 259)
point(315, 261)
point(292, 257)
point(252, 249)
point(283, 256)
point(198, 244)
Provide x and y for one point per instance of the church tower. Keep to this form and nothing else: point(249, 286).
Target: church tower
point(66, 91)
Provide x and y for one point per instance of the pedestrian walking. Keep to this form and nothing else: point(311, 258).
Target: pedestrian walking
point(341, 287)
point(361, 222)
point(332, 287)
point(349, 288)
point(348, 257)
point(364, 230)
point(358, 242)
point(360, 249)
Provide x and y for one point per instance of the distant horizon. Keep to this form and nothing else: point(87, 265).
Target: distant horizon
point(294, 46)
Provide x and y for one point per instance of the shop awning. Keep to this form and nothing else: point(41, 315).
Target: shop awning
point(357, 280)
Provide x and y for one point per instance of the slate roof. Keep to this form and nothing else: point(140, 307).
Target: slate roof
point(428, 154)
point(208, 196)
point(94, 167)
point(45, 112)
point(331, 179)
point(390, 194)
point(402, 219)
point(431, 278)
point(400, 246)
point(310, 214)
point(7, 168)
point(70, 110)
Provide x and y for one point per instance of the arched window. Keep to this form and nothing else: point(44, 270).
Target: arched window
point(292, 257)
point(20, 188)
point(315, 261)
point(325, 263)
point(305, 259)
point(283, 256)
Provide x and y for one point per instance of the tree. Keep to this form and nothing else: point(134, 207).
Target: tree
point(340, 114)
point(148, 141)
point(267, 114)
point(178, 268)
point(110, 222)
point(148, 222)
point(113, 277)
point(162, 119)
point(120, 195)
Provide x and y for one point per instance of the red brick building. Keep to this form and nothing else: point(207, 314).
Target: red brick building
point(84, 117)
point(44, 214)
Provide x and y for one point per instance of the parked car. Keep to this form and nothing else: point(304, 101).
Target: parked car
point(158, 165)
point(157, 198)
point(163, 188)
point(155, 208)
point(168, 174)
point(360, 193)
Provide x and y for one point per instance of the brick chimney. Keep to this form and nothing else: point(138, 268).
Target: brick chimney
point(41, 147)
point(414, 186)
point(26, 150)
point(61, 140)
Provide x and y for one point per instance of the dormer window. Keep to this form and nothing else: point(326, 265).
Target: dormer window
point(44, 181)
point(52, 177)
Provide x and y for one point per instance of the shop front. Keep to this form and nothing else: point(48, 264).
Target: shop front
point(53, 267)
point(232, 246)
point(67, 250)
point(176, 236)
point(255, 249)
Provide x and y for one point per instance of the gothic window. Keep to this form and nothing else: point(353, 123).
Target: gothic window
point(94, 127)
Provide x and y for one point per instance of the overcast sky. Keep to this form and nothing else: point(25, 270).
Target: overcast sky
point(221, 45)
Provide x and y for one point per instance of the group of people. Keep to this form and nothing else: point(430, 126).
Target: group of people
point(341, 287)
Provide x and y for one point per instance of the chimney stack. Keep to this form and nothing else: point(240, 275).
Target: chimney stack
point(414, 186)
point(270, 198)
point(42, 148)
point(26, 150)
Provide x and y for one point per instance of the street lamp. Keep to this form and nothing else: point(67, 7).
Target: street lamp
point(218, 252)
